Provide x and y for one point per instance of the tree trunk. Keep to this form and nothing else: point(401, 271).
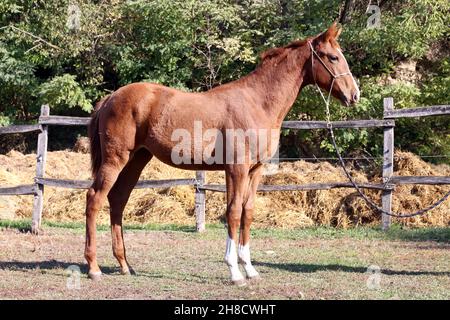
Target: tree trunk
point(347, 11)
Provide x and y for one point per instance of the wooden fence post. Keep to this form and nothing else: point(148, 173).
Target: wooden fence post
point(200, 198)
point(41, 155)
point(388, 165)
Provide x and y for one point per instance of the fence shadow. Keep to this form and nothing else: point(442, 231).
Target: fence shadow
point(311, 268)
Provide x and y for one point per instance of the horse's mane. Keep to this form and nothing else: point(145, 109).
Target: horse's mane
point(277, 54)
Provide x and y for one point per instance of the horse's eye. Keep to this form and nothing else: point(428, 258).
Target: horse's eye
point(332, 58)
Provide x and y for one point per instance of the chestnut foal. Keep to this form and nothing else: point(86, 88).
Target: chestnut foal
point(140, 120)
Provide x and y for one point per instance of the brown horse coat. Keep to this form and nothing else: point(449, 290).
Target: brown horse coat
point(138, 122)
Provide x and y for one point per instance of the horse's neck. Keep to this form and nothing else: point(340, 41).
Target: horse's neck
point(279, 84)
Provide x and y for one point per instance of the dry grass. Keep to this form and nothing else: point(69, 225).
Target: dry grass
point(298, 264)
point(338, 207)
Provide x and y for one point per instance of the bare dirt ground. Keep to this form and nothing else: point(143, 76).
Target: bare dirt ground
point(306, 264)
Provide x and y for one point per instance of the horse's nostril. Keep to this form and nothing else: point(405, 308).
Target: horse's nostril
point(355, 97)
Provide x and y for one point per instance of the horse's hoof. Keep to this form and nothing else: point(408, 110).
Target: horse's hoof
point(95, 276)
point(240, 283)
point(125, 272)
point(254, 278)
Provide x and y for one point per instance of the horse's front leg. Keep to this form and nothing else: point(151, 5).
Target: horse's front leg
point(246, 220)
point(237, 183)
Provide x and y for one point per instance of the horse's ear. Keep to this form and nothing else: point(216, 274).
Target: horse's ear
point(338, 32)
point(333, 32)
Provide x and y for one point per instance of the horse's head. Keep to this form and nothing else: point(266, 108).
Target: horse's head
point(329, 68)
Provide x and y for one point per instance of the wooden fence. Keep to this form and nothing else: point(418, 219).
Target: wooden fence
point(200, 187)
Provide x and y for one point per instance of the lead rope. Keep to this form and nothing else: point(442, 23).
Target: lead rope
point(369, 201)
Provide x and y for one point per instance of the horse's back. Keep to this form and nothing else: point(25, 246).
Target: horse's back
point(154, 116)
point(147, 115)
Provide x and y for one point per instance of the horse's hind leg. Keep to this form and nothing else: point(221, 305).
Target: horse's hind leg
point(118, 198)
point(246, 220)
point(105, 178)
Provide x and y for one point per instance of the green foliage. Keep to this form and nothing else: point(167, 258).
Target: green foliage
point(158, 52)
point(407, 30)
point(64, 91)
point(436, 90)
point(4, 121)
point(195, 45)
point(17, 85)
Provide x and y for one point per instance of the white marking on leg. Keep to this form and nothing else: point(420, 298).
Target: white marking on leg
point(244, 258)
point(231, 260)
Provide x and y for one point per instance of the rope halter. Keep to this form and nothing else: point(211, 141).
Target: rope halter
point(369, 201)
point(333, 76)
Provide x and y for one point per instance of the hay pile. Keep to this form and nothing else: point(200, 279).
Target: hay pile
point(337, 207)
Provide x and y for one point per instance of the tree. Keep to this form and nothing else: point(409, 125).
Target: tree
point(195, 45)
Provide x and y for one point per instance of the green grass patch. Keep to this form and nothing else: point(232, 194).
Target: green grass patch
point(25, 225)
point(16, 224)
point(214, 231)
point(396, 232)
point(128, 227)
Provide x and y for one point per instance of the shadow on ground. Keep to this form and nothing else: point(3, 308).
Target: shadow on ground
point(48, 265)
point(291, 267)
point(52, 265)
point(425, 234)
point(311, 268)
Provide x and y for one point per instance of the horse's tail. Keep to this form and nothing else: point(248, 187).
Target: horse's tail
point(94, 137)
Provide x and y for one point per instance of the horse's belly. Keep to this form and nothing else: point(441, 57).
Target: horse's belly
point(184, 155)
point(209, 150)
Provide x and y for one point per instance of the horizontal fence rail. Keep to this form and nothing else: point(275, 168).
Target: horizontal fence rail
point(420, 180)
point(141, 184)
point(387, 186)
point(306, 125)
point(300, 187)
point(21, 128)
point(18, 190)
point(417, 112)
point(64, 121)
point(356, 124)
